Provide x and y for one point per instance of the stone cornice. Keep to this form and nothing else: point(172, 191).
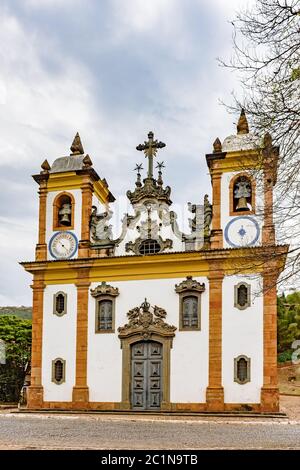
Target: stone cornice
point(164, 265)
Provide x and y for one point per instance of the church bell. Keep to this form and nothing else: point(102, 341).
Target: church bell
point(64, 214)
point(242, 204)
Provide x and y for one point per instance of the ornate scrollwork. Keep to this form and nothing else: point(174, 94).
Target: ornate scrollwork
point(144, 322)
point(150, 190)
point(104, 289)
point(189, 284)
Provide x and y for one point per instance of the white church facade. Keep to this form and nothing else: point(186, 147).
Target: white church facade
point(154, 319)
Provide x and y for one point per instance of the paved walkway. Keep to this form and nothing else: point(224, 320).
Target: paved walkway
point(44, 431)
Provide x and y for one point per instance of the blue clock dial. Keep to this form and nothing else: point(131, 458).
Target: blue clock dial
point(63, 245)
point(242, 231)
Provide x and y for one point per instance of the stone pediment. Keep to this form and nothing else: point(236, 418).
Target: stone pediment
point(189, 284)
point(104, 289)
point(146, 323)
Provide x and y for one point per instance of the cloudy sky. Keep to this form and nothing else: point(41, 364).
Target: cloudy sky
point(112, 70)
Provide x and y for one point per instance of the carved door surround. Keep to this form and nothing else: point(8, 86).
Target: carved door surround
point(144, 326)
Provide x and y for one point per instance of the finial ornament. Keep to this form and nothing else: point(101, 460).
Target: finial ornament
point(138, 168)
point(150, 149)
point(76, 147)
point(87, 161)
point(267, 140)
point(217, 145)
point(45, 166)
point(160, 166)
point(242, 125)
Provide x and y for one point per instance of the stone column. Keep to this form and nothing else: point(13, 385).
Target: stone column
point(269, 391)
point(216, 231)
point(268, 230)
point(80, 390)
point(87, 198)
point(214, 391)
point(41, 247)
point(35, 390)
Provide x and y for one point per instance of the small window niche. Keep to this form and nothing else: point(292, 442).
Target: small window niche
point(63, 212)
point(242, 369)
point(189, 292)
point(58, 371)
point(149, 247)
point(242, 296)
point(60, 304)
point(105, 298)
point(242, 195)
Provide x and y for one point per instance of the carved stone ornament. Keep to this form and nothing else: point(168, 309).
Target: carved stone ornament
point(101, 231)
point(76, 147)
point(150, 190)
point(142, 321)
point(189, 284)
point(135, 246)
point(104, 289)
point(242, 125)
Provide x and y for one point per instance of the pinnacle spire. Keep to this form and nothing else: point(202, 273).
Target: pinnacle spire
point(217, 145)
point(45, 166)
point(242, 125)
point(76, 147)
point(87, 161)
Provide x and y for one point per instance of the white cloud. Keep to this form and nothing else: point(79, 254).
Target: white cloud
point(40, 4)
point(47, 93)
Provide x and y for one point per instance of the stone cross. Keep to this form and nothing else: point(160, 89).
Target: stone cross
point(150, 149)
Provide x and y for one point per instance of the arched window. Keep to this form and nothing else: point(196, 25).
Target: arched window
point(242, 369)
point(105, 315)
point(242, 195)
point(190, 312)
point(148, 247)
point(63, 212)
point(60, 304)
point(58, 371)
point(189, 291)
point(242, 295)
point(105, 296)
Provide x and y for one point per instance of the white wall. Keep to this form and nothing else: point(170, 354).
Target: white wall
point(189, 356)
point(77, 215)
point(225, 210)
point(59, 341)
point(242, 334)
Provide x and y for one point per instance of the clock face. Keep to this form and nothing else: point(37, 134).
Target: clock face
point(63, 245)
point(242, 231)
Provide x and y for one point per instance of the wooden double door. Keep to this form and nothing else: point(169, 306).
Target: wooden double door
point(146, 375)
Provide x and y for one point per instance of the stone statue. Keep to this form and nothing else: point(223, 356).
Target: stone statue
point(195, 223)
point(100, 230)
point(242, 191)
point(64, 214)
point(207, 215)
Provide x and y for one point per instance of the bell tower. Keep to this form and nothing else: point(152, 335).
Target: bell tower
point(67, 191)
point(243, 172)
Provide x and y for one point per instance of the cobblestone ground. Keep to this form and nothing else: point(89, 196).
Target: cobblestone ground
point(39, 431)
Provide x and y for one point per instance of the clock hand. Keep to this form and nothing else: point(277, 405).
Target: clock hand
point(62, 245)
